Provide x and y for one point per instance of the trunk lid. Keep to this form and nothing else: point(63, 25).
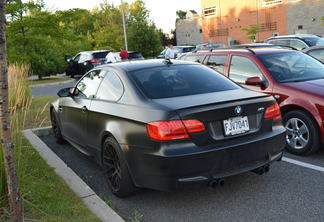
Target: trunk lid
point(213, 108)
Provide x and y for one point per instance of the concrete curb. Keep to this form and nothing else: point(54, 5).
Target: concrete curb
point(97, 206)
point(52, 84)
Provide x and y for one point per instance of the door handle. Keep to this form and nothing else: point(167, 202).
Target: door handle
point(60, 109)
point(84, 109)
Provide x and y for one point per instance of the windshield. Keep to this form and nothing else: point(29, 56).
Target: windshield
point(313, 41)
point(180, 80)
point(292, 67)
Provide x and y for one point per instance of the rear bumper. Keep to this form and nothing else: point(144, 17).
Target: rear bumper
point(168, 171)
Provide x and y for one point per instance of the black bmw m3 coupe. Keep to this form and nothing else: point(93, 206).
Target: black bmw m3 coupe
point(163, 124)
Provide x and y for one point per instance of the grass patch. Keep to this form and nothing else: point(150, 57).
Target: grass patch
point(46, 80)
point(45, 195)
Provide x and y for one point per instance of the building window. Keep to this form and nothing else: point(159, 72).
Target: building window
point(266, 3)
point(210, 11)
point(300, 27)
point(275, 34)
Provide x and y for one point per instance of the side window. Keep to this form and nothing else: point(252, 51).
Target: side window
point(194, 58)
point(88, 86)
point(242, 68)
point(282, 42)
point(217, 62)
point(111, 88)
point(77, 58)
point(297, 44)
point(83, 58)
point(318, 54)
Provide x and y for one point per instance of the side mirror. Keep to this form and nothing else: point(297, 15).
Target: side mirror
point(254, 81)
point(66, 92)
point(68, 60)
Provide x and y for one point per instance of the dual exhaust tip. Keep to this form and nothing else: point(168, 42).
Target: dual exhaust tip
point(215, 182)
point(262, 170)
point(221, 182)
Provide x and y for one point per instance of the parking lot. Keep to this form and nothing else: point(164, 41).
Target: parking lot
point(289, 192)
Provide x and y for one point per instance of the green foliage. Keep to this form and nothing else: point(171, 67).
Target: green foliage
point(322, 18)
point(181, 15)
point(44, 39)
point(142, 33)
point(251, 31)
point(108, 28)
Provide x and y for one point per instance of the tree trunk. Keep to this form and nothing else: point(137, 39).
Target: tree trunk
point(7, 145)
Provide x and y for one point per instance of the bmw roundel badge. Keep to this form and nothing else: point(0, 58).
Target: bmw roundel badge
point(238, 110)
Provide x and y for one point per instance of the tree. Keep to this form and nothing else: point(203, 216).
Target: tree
point(108, 28)
point(181, 15)
point(142, 33)
point(7, 145)
point(251, 31)
point(42, 39)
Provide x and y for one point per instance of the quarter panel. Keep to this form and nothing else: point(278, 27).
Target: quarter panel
point(127, 123)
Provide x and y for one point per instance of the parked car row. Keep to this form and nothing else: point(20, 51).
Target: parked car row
point(85, 61)
point(294, 79)
point(163, 124)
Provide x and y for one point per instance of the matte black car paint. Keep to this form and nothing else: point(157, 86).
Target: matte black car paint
point(166, 165)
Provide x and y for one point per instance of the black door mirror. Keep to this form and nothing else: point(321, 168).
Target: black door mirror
point(66, 92)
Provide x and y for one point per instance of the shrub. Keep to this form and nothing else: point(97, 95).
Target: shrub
point(19, 98)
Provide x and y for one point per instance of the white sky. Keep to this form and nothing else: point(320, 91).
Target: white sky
point(162, 12)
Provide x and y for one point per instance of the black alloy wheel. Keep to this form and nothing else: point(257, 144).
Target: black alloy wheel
point(56, 129)
point(116, 169)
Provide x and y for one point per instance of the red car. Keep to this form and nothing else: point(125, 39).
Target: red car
point(295, 79)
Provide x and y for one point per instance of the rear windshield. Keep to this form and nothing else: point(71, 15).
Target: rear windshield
point(135, 55)
point(99, 55)
point(180, 80)
point(189, 49)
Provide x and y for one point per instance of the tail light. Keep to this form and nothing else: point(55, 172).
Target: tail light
point(173, 129)
point(273, 112)
point(94, 60)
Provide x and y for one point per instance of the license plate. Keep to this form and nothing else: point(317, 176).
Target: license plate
point(237, 125)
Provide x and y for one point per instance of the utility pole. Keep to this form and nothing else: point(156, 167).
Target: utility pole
point(124, 25)
point(6, 142)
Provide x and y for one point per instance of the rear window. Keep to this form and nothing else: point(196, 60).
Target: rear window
point(180, 80)
point(100, 55)
point(135, 55)
point(189, 49)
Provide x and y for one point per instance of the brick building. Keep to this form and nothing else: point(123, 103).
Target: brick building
point(222, 20)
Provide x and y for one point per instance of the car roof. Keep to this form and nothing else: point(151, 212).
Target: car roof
point(300, 36)
point(184, 46)
point(253, 51)
point(143, 64)
point(95, 51)
point(313, 47)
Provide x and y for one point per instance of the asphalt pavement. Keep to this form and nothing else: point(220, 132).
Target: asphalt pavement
point(288, 192)
point(50, 90)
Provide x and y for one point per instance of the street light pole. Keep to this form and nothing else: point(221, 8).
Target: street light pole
point(124, 25)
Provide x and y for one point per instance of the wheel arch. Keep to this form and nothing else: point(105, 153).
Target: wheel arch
point(288, 108)
point(105, 135)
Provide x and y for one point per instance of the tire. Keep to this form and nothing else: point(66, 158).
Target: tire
point(56, 129)
point(118, 176)
point(302, 133)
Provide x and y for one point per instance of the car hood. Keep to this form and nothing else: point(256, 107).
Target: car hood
point(315, 87)
point(176, 103)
